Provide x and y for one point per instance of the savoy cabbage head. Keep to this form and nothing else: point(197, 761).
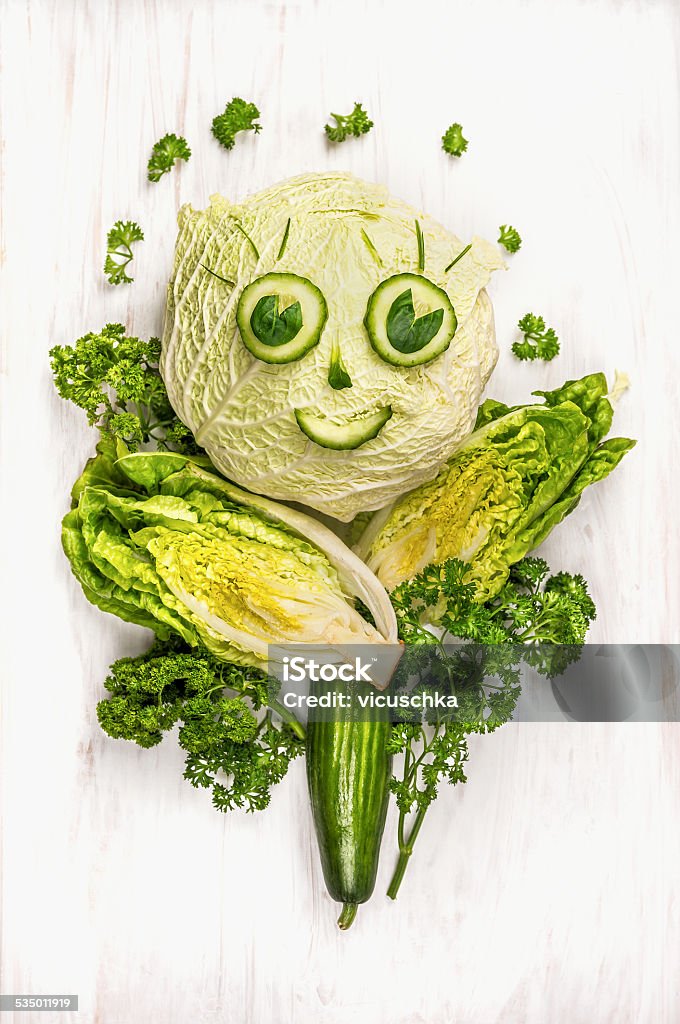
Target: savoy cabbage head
point(319, 344)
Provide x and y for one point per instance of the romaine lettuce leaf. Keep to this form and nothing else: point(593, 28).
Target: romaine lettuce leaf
point(503, 490)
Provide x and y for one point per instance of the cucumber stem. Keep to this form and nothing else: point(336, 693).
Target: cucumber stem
point(347, 915)
point(405, 851)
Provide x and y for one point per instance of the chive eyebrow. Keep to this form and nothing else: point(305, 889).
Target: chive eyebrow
point(421, 247)
point(284, 241)
point(458, 257)
point(219, 278)
point(247, 236)
point(371, 248)
point(346, 210)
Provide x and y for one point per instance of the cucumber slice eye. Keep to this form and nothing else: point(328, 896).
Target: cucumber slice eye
point(401, 335)
point(281, 317)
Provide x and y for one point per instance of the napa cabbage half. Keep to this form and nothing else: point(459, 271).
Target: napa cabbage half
point(159, 540)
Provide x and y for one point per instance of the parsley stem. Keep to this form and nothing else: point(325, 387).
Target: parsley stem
point(401, 838)
point(405, 851)
point(288, 717)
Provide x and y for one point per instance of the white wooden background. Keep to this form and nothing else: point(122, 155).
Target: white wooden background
point(546, 890)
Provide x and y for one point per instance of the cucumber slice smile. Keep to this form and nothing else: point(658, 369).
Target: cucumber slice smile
point(340, 436)
point(397, 333)
point(281, 317)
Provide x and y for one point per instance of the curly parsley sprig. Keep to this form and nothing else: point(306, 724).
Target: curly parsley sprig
point(453, 141)
point(119, 255)
point(115, 379)
point(509, 238)
point(164, 155)
point(539, 342)
point(238, 116)
point(238, 740)
point(355, 124)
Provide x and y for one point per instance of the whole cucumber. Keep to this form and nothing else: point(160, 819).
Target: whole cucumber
point(348, 773)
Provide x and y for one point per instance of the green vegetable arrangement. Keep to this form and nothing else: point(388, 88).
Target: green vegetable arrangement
point(325, 343)
point(159, 539)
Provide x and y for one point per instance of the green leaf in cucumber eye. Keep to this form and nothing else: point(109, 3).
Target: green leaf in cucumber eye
point(406, 332)
point(273, 327)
